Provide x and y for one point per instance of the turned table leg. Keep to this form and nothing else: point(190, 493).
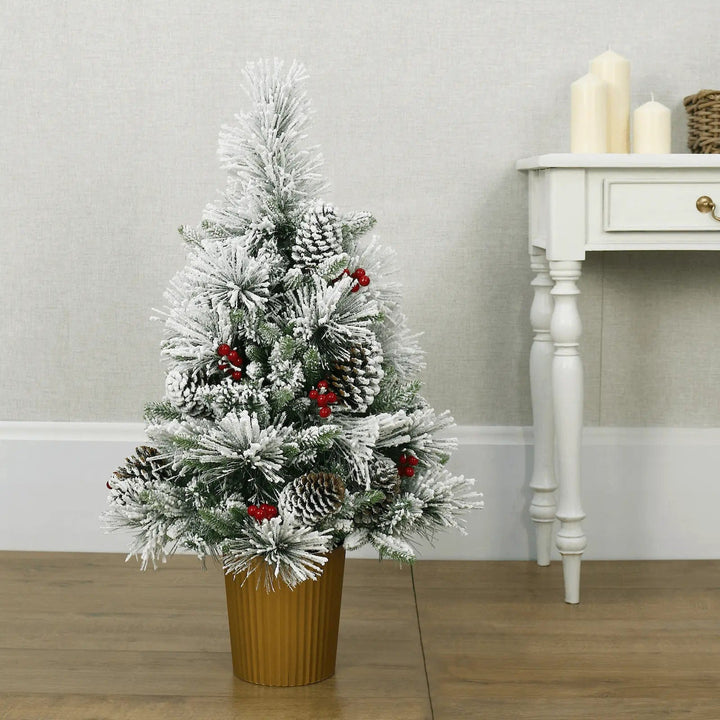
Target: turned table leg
point(543, 484)
point(567, 385)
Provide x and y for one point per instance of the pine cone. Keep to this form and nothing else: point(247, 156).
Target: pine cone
point(181, 390)
point(383, 476)
point(318, 237)
point(141, 470)
point(356, 381)
point(143, 465)
point(312, 497)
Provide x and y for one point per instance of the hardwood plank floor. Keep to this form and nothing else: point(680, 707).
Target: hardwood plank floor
point(88, 637)
point(500, 643)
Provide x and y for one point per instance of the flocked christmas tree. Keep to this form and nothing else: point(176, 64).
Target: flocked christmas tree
point(292, 421)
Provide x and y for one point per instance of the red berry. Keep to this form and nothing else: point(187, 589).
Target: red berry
point(223, 366)
point(331, 397)
point(268, 511)
point(223, 349)
point(360, 272)
point(325, 411)
point(313, 394)
point(412, 460)
point(108, 485)
point(322, 400)
point(323, 384)
point(236, 375)
point(403, 459)
point(354, 288)
point(253, 511)
point(233, 357)
point(346, 271)
point(407, 471)
point(364, 280)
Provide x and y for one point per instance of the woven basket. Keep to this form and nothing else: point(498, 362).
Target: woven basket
point(703, 111)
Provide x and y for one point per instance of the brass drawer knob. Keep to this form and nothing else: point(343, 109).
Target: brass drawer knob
point(705, 204)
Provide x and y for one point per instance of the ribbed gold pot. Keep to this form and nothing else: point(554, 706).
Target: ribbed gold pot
point(287, 636)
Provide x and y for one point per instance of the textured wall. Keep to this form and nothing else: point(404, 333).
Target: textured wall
point(109, 124)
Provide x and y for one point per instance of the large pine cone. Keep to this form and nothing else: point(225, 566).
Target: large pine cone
point(384, 476)
point(312, 497)
point(356, 381)
point(181, 391)
point(318, 237)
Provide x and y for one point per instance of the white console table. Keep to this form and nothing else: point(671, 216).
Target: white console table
point(578, 204)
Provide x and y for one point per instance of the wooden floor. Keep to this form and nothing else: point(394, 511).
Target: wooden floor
point(85, 636)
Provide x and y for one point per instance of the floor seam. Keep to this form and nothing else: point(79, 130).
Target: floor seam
point(422, 645)
point(602, 334)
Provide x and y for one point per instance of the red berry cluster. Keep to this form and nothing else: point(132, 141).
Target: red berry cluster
point(406, 465)
point(230, 361)
point(262, 512)
point(361, 279)
point(323, 397)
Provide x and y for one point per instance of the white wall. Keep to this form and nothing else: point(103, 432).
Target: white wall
point(109, 125)
point(108, 131)
point(648, 493)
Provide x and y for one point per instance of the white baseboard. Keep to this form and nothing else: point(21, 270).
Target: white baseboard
point(649, 493)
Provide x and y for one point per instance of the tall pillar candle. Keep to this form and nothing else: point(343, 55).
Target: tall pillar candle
point(614, 69)
point(651, 128)
point(588, 115)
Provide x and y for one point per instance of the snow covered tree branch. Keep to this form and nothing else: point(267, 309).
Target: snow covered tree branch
point(292, 421)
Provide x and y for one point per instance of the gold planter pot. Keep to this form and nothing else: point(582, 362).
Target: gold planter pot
point(286, 637)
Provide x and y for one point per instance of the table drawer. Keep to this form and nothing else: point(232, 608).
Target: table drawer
point(649, 205)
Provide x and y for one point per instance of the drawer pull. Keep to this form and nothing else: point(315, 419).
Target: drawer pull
point(705, 204)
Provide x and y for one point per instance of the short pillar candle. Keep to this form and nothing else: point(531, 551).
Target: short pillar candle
point(588, 115)
point(651, 128)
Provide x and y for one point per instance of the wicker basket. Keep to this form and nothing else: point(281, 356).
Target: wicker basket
point(703, 111)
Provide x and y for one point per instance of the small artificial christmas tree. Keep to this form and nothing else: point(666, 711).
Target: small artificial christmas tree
point(292, 422)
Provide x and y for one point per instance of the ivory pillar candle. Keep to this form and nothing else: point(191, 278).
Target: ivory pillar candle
point(651, 128)
point(614, 70)
point(588, 115)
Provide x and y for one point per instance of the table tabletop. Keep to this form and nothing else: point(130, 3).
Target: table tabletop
point(617, 160)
